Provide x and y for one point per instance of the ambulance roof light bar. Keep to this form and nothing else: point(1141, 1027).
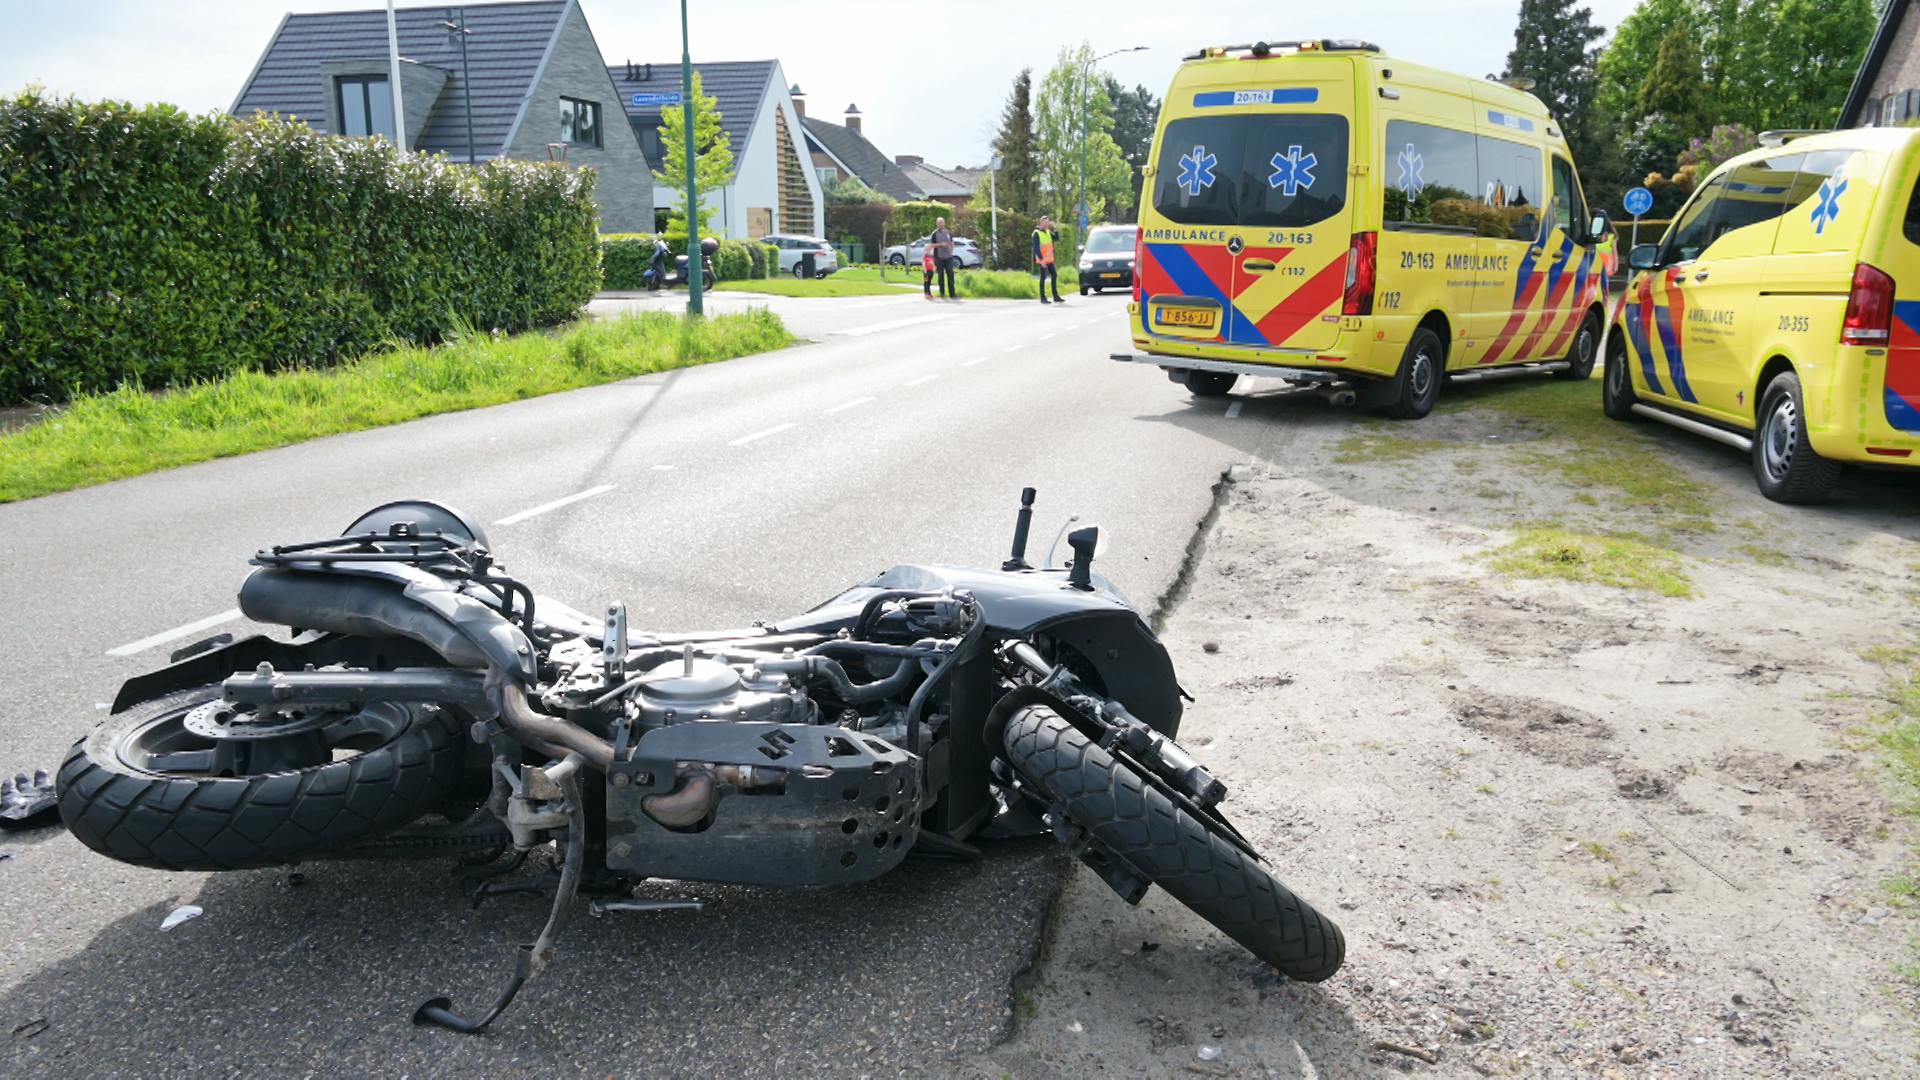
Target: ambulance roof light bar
point(1268, 48)
point(1783, 136)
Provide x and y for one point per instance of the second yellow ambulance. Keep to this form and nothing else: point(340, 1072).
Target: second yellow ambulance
point(1321, 213)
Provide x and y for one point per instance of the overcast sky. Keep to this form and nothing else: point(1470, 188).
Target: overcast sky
point(930, 76)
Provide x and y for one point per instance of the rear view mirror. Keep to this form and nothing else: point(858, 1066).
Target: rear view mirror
point(1644, 257)
point(1599, 227)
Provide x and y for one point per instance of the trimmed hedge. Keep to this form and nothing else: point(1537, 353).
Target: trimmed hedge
point(626, 256)
point(147, 247)
point(913, 220)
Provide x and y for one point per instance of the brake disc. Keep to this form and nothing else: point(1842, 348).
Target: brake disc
point(221, 720)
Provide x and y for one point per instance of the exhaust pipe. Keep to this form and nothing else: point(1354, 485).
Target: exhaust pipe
point(687, 805)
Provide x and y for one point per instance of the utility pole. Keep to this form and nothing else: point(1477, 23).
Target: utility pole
point(393, 82)
point(696, 265)
point(993, 205)
point(459, 30)
point(1086, 76)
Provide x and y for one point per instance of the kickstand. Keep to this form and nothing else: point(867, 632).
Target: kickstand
point(532, 959)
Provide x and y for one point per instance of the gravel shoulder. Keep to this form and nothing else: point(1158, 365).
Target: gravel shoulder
point(1568, 828)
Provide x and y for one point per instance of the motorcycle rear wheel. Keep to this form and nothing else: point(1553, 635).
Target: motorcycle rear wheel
point(1174, 849)
point(118, 797)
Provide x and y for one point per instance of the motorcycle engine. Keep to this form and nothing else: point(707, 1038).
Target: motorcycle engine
point(699, 688)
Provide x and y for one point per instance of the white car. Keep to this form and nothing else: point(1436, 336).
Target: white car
point(964, 250)
point(794, 248)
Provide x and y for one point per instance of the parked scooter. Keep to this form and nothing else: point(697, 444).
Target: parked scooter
point(657, 276)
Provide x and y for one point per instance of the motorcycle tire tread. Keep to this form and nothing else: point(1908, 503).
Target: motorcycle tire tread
point(233, 823)
point(1172, 848)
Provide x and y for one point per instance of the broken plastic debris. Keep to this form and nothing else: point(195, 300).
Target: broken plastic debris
point(179, 915)
point(27, 802)
point(1208, 1053)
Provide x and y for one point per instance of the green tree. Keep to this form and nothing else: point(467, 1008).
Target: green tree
point(1071, 100)
point(1019, 181)
point(1135, 113)
point(1553, 46)
point(1811, 52)
point(1629, 57)
point(712, 162)
point(1676, 88)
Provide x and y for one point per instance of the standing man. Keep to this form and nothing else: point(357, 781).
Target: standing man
point(1044, 239)
point(941, 243)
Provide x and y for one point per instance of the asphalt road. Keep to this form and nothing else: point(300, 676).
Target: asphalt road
point(703, 498)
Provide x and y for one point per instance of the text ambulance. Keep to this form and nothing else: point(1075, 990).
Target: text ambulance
point(1781, 312)
point(1320, 213)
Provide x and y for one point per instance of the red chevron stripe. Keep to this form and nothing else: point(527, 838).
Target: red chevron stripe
point(1575, 313)
point(1307, 303)
point(1555, 301)
point(1519, 316)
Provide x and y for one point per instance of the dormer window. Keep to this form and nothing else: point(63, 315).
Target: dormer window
point(579, 122)
point(366, 106)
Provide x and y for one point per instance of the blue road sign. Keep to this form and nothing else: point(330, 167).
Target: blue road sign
point(1638, 201)
point(643, 100)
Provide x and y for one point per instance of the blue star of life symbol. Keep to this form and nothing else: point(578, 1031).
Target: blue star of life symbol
point(1196, 171)
point(1292, 172)
point(1412, 169)
point(1826, 208)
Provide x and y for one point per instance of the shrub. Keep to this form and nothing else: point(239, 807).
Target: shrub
point(913, 220)
point(626, 257)
point(733, 262)
point(863, 224)
point(1016, 237)
point(152, 248)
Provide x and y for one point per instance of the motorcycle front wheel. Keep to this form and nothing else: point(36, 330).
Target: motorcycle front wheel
point(151, 788)
point(1174, 849)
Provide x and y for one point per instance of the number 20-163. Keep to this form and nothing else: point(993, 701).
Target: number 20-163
point(1416, 260)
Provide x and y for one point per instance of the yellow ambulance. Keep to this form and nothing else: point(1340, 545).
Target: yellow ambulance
point(1321, 213)
point(1781, 312)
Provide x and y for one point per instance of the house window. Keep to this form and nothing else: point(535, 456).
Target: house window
point(366, 106)
point(826, 175)
point(579, 122)
point(650, 144)
point(1888, 110)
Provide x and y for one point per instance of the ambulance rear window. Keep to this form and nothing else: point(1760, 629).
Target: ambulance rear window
point(1913, 216)
point(1269, 170)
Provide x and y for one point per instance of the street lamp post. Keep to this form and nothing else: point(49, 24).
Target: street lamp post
point(696, 266)
point(993, 205)
point(459, 30)
point(393, 82)
point(1083, 210)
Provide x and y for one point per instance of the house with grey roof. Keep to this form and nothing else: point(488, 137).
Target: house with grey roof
point(1886, 91)
point(532, 84)
point(772, 189)
point(841, 151)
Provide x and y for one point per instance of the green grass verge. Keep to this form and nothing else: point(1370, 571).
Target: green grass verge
point(1896, 740)
point(973, 284)
point(788, 285)
point(125, 433)
point(1627, 562)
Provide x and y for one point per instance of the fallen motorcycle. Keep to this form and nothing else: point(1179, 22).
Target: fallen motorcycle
point(429, 705)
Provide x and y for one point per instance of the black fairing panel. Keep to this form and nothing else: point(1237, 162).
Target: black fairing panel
point(1098, 624)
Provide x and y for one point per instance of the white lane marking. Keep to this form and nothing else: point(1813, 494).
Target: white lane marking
point(845, 405)
point(1233, 410)
point(758, 435)
point(515, 519)
point(165, 636)
point(1013, 348)
point(663, 468)
point(923, 380)
point(894, 324)
point(976, 360)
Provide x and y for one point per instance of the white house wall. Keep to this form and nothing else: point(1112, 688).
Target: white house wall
point(756, 173)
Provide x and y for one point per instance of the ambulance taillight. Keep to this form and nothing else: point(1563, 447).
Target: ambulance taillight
point(1362, 260)
point(1869, 318)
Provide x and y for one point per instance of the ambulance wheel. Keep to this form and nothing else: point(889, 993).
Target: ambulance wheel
point(1616, 390)
point(1784, 461)
point(1411, 393)
point(1586, 347)
point(1211, 383)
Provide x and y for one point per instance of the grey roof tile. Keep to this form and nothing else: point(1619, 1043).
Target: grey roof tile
point(737, 87)
point(505, 46)
point(875, 169)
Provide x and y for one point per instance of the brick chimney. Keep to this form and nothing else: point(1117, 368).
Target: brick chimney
point(853, 118)
point(799, 97)
point(907, 161)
